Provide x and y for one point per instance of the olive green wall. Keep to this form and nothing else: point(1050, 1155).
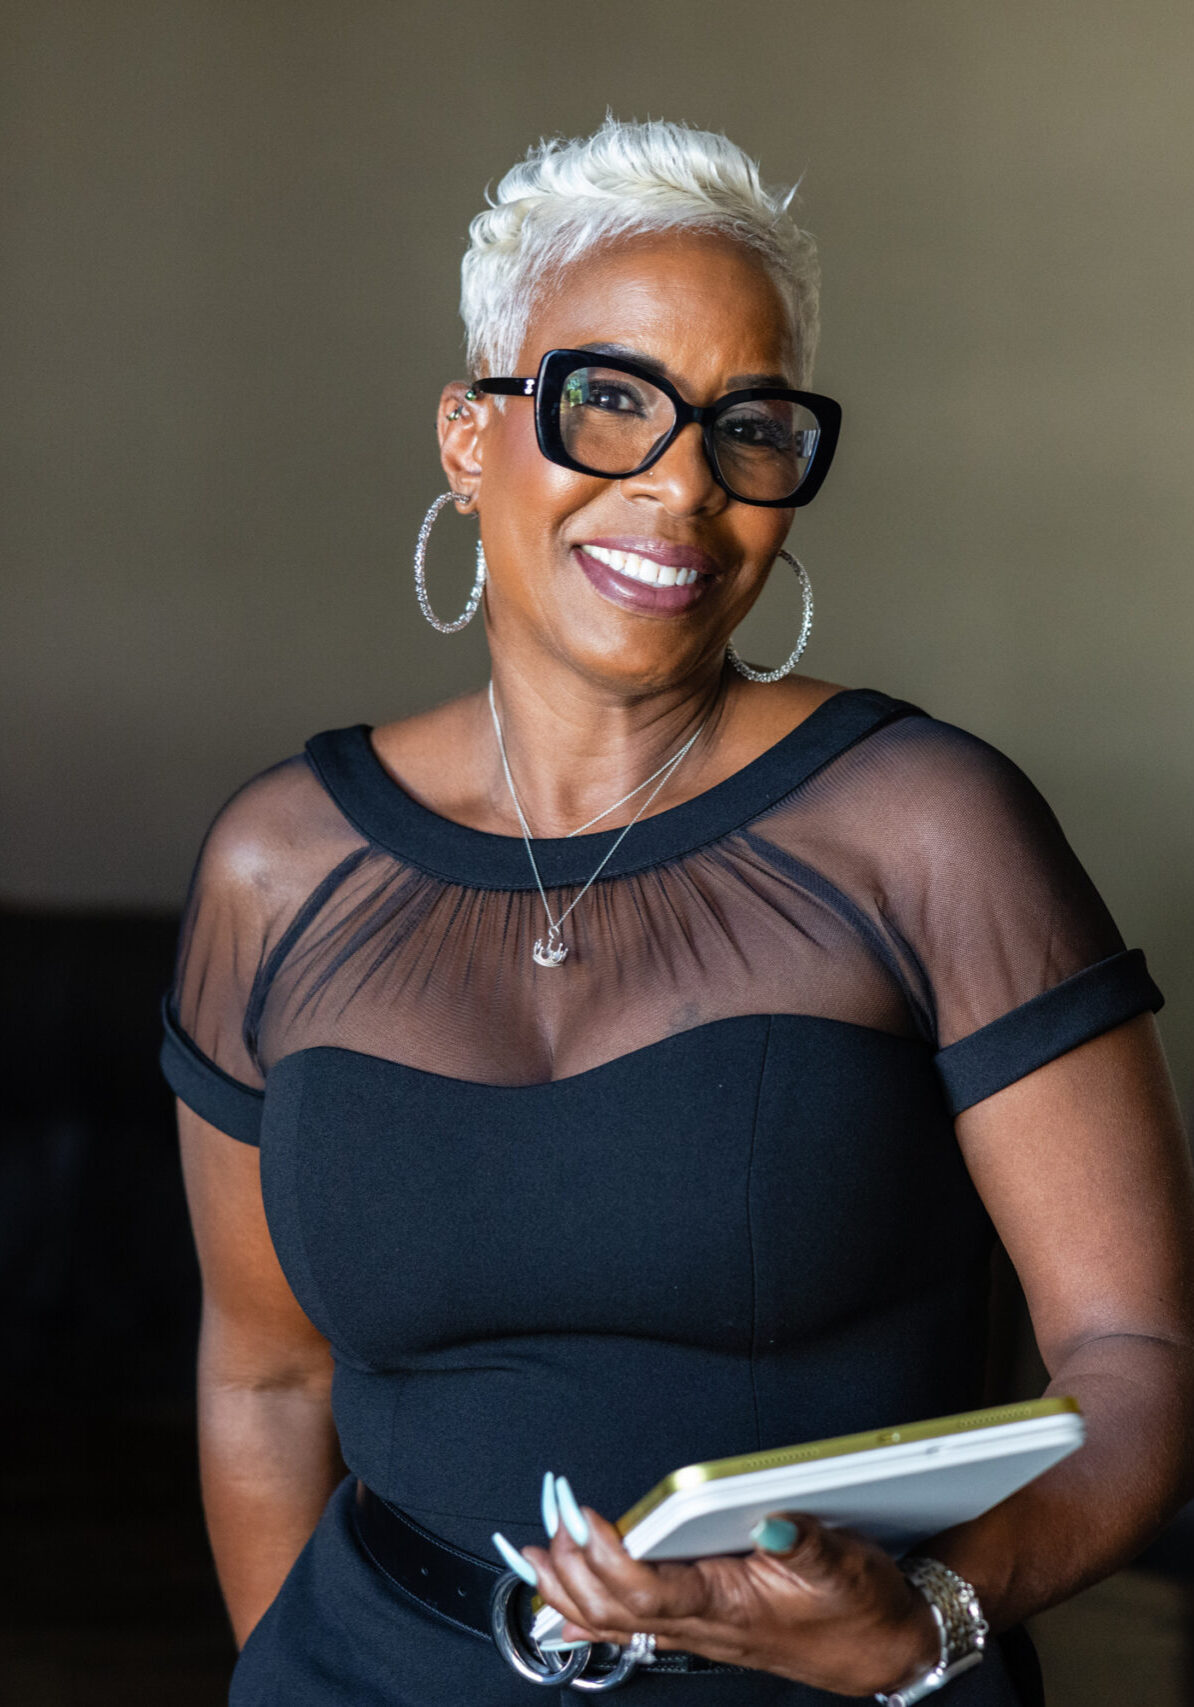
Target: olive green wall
point(228, 303)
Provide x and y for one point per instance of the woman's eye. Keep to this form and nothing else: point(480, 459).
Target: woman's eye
point(619, 398)
point(759, 430)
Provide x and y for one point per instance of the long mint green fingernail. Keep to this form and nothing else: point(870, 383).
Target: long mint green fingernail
point(574, 1519)
point(560, 1647)
point(551, 1510)
point(515, 1559)
point(775, 1535)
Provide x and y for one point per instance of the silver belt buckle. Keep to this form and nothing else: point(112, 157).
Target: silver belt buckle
point(549, 1669)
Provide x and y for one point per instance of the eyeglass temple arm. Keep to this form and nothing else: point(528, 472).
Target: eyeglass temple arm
point(507, 387)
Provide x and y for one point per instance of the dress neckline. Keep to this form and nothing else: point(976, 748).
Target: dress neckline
point(380, 808)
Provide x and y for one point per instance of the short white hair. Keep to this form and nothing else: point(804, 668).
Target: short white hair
point(567, 197)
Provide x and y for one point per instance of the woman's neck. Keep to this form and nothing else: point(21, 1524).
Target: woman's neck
point(574, 749)
point(573, 752)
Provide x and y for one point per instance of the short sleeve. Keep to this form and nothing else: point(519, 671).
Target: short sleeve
point(229, 1104)
point(259, 860)
point(1017, 955)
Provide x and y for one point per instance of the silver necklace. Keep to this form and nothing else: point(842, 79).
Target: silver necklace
point(630, 794)
point(554, 951)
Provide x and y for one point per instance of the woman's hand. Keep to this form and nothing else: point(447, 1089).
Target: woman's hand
point(816, 1605)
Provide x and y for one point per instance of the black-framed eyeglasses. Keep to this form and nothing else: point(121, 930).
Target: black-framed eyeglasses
point(608, 416)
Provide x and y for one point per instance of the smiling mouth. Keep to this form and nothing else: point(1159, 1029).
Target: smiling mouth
point(644, 569)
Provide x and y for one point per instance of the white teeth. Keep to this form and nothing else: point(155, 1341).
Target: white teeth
point(643, 568)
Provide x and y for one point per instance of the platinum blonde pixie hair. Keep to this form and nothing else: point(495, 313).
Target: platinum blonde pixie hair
point(568, 197)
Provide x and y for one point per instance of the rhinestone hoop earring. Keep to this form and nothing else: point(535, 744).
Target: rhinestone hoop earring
point(806, 624)
point(474, 598)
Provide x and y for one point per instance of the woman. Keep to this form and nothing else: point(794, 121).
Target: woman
point(645, 1056)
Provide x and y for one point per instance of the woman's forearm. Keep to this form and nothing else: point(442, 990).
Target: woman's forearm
point(269, 1459)
point(1096, 1510)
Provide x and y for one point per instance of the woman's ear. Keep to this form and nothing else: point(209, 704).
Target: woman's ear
point(460, 423)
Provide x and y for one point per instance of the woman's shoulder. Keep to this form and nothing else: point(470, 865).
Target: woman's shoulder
point(274, 836)
point(772, 710)
point(937, 786)
point(936, 754)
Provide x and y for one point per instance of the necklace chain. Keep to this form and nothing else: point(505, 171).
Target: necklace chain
point(553, 952)
point(673, 761)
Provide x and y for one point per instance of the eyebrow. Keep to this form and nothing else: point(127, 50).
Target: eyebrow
point(738, 381)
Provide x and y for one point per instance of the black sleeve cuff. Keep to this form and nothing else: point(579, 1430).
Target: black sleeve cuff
point(1092, 1001)
point(212, 1093)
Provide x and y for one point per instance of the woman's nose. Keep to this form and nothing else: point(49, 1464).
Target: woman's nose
point(682, 480)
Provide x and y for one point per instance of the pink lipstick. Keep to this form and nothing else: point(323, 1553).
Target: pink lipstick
point(652, 576)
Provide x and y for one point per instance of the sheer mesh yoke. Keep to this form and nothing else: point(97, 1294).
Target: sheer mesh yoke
point(877, 867)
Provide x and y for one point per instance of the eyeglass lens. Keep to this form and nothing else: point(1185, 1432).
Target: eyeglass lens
point(611, 422)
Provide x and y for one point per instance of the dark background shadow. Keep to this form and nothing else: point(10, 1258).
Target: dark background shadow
point(107, 1593)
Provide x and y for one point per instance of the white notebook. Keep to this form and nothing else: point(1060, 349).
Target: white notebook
point(897, 1485)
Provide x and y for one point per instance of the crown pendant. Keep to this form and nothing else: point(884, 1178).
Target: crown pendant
point(553, 952)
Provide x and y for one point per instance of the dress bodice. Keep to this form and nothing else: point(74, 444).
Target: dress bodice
point(696, 1191)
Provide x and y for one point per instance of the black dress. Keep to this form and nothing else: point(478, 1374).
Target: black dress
point(692, 1193)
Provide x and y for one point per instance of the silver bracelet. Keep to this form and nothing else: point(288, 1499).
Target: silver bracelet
point(961, 1627)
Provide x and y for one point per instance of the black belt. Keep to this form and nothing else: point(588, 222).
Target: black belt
point(458, 1587)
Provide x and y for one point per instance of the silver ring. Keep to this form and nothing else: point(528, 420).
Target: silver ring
point(546, 1669)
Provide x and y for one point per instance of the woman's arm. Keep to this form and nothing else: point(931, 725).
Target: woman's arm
point(1085, 1170)
point(1086, 1173)
point(268, 1452)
